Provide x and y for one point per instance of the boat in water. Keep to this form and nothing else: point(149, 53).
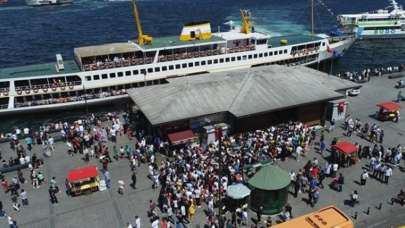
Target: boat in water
point(47, 2)
point(103, 73)
point(385, 23)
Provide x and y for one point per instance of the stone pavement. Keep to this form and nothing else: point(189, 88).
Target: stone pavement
point(108, 209)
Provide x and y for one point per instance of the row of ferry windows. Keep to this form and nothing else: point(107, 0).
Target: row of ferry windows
point(185, 65)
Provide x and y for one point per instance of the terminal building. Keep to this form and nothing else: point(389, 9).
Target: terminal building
point(246, 99)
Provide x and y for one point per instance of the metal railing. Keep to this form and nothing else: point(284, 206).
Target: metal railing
point(60, 100)
point(112, 64)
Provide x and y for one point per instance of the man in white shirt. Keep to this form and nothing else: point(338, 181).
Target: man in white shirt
point(388, 174)
point(137, 222)
point(155, 223)
point(298, 150)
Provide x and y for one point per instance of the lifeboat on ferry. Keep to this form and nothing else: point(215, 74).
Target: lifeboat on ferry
point(27, 91)
point(71, 86)
point(35, 89)
point(45, 88)
point(54, 87)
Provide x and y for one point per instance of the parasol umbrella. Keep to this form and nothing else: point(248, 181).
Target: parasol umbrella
point(237, 191)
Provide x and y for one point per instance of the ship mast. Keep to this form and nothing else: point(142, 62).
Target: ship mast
point(312, 17)
point(142, 38)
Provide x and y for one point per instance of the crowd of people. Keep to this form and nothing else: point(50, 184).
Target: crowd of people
point(366, 74)
point(196, 176)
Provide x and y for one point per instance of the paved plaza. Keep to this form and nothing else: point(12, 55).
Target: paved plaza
point(108, 209)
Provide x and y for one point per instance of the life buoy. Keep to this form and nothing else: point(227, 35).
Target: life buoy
point(27, 91)
point(45, 89)
point(19, 92)
point(35, 89)
point(5, 93)
point(71, 86)
point(53, 88)
point(62, 88)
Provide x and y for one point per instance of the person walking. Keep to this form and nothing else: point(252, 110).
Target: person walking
point(387, 174)
point(133, 179)
point(363, 177)
point(354, 198)
point(52, 195)
point(137, 222)
point(24, 197)
point(259, 214)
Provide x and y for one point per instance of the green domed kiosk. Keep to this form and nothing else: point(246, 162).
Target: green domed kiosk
point(269, 189)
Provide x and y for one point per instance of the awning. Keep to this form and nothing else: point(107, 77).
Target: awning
point(237, 191)
point(82, 173)
point(389, 106)
point(181, 137)
point(346, 147)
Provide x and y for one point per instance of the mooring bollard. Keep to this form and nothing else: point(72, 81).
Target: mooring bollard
point(379, 206)
point(368, 211)
point(355, 215)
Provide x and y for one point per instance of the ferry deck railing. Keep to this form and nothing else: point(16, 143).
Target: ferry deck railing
point(60, 100)
point(47, 86)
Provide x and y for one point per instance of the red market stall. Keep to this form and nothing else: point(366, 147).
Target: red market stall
point(388, 111)
point(83, 180)
point(181, 137)
point(347, 153)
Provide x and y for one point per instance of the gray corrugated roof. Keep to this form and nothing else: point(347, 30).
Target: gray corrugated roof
point(242, 92)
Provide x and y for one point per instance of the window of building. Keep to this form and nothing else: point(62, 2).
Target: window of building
point(135, 72)
point(215, 61)
point(171, 67)
point(285, 51)
point(233, 59)
point(184, 65)
point(323, 43)
point(244, 57)
point(104, 76)
point(266, 54)
point(221, 60)
point(177, 66)
point(150, 70)
point(249, 56)
point(120, 74)
point(261, 55)
point(157, 69)
point(196, 63)
point(280, 52)
point(190, 64)
point(203, 63)
point(271, 53)
point(127, 73)
point(164, 68)
point(226, 59)
point(143, 71)
point(112, 75)
point(209, 62)
point(255, 56)
point(96, 77)
point(88, 78)
point(275, 53)
point(239, 58)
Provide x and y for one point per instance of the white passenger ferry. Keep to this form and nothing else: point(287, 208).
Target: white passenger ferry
point(104, 72)
point(380, 24)
point(47, 2)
